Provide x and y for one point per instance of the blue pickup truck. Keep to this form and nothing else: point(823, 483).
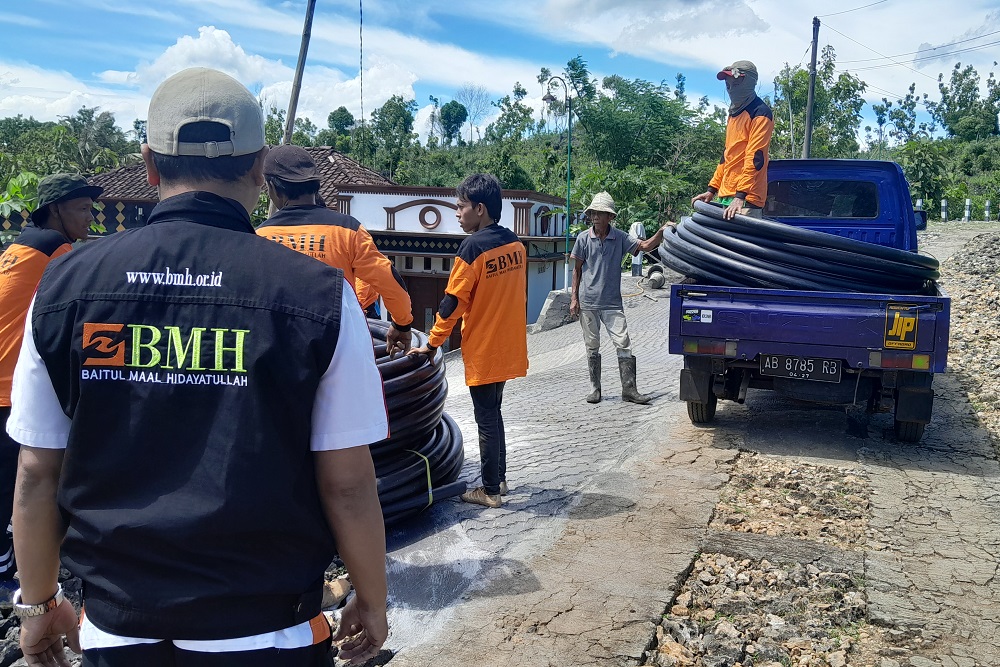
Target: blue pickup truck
point(827, 346)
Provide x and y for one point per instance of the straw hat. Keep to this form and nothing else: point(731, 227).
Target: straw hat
point(602, 201)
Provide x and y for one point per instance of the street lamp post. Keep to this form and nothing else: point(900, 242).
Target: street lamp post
point(569, 151)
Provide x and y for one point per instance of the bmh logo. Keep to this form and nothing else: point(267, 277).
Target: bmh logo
point(166, 348)
point(503, 263)
point(103, 344)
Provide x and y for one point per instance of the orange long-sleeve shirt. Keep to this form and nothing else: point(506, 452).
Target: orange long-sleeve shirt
point(742, 171)
point(367, 295)
point(340, 241)
point(487, 290)
point(21, 267)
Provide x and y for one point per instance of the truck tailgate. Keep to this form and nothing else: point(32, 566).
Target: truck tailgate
point(747, 322)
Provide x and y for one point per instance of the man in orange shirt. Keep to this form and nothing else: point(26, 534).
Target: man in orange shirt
point(302, 224)
point(487, 291)
point(63, 215)
point(740, 180)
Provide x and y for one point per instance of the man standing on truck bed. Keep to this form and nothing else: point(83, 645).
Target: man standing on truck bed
point(302, 224)
point(740, 180)
point(598, 253)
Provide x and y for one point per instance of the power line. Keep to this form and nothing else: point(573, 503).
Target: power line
point(878, 53)
point(868, 85)
point(934, 57)
point(848, 11)
point(933, 48)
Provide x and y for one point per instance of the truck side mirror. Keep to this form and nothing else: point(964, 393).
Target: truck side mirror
point(921, 217)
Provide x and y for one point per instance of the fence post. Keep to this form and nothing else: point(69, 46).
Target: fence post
point(944, 210)
point(967, 216)
point(987, 216)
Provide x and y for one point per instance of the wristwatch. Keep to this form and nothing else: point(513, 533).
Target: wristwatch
point(29, 610)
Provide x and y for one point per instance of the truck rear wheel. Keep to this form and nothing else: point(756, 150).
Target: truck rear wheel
point(907, 431)
point(702, 413)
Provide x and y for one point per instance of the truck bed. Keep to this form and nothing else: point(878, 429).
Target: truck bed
point(866, 331)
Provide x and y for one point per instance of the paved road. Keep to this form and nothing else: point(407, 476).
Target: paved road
point(610, 504)
point(607, 505)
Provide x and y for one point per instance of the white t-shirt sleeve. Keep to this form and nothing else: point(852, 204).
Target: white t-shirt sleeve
point(36, 417)
point(349, 410)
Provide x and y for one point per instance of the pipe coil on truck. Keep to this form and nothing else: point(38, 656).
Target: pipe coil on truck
point(751, 252)
point(419, 463)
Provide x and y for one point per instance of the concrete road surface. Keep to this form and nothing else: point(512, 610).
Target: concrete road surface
point(606, 508)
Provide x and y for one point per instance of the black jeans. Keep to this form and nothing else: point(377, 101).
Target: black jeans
point(165, 654)
point(486, 400)
point(9, 451)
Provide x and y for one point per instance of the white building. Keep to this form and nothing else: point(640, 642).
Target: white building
point(415, 227)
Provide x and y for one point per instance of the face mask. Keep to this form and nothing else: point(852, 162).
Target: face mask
point(741, 91)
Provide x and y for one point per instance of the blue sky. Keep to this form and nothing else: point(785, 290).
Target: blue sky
point(61, 54)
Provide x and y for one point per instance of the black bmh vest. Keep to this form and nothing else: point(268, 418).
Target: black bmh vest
point(187, 354)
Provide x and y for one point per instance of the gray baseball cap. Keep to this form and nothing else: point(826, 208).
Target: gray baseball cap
point(202, 94)
point(738, 69)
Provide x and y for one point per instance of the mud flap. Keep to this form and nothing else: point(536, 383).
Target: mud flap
point(915, 398)
point(696, 379)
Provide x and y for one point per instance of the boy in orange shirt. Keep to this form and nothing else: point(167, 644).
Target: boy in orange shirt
point(487, 291)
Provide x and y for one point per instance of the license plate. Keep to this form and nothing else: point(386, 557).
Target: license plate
point(801, 368)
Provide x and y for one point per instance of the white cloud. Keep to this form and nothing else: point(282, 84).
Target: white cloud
point(46, 95)
point(335, 42)
point(325, 89)
point(211, 48)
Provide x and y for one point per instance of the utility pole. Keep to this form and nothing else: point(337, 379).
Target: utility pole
point(807, 139)
point(297, 81)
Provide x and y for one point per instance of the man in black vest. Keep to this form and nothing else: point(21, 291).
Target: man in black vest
point(199, 421)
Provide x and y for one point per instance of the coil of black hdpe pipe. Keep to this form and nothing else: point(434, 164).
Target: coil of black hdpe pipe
point(419, 463)
point(751, 252)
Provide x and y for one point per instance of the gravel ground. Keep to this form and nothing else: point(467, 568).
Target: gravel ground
point(733, 612)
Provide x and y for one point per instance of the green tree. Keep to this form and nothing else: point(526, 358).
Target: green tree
point(19, 194)
point(304, 132)
point(453, 115)
point(274, 126)
point(923, 163)
point(100, 144)
point(837, 105)
point(338, 130)
point(961, 111)
point(340, 120)
point(515, 120)
point(504, 137)
point(392, 129)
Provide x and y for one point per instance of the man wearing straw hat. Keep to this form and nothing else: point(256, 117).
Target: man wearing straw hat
point(597, 293)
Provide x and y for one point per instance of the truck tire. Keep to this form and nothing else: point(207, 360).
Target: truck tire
point(702, 413)
point(905, 431)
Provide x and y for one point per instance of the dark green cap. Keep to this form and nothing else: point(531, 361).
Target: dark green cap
point(60, 187)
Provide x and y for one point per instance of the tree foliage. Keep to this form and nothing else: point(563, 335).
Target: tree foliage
point(646, 142)
point(453, 116)
point(392, 129)
point(961, 111)
point(837, 105)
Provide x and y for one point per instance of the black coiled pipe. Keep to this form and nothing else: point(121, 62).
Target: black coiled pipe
point(419, 463)
point(750, 252)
